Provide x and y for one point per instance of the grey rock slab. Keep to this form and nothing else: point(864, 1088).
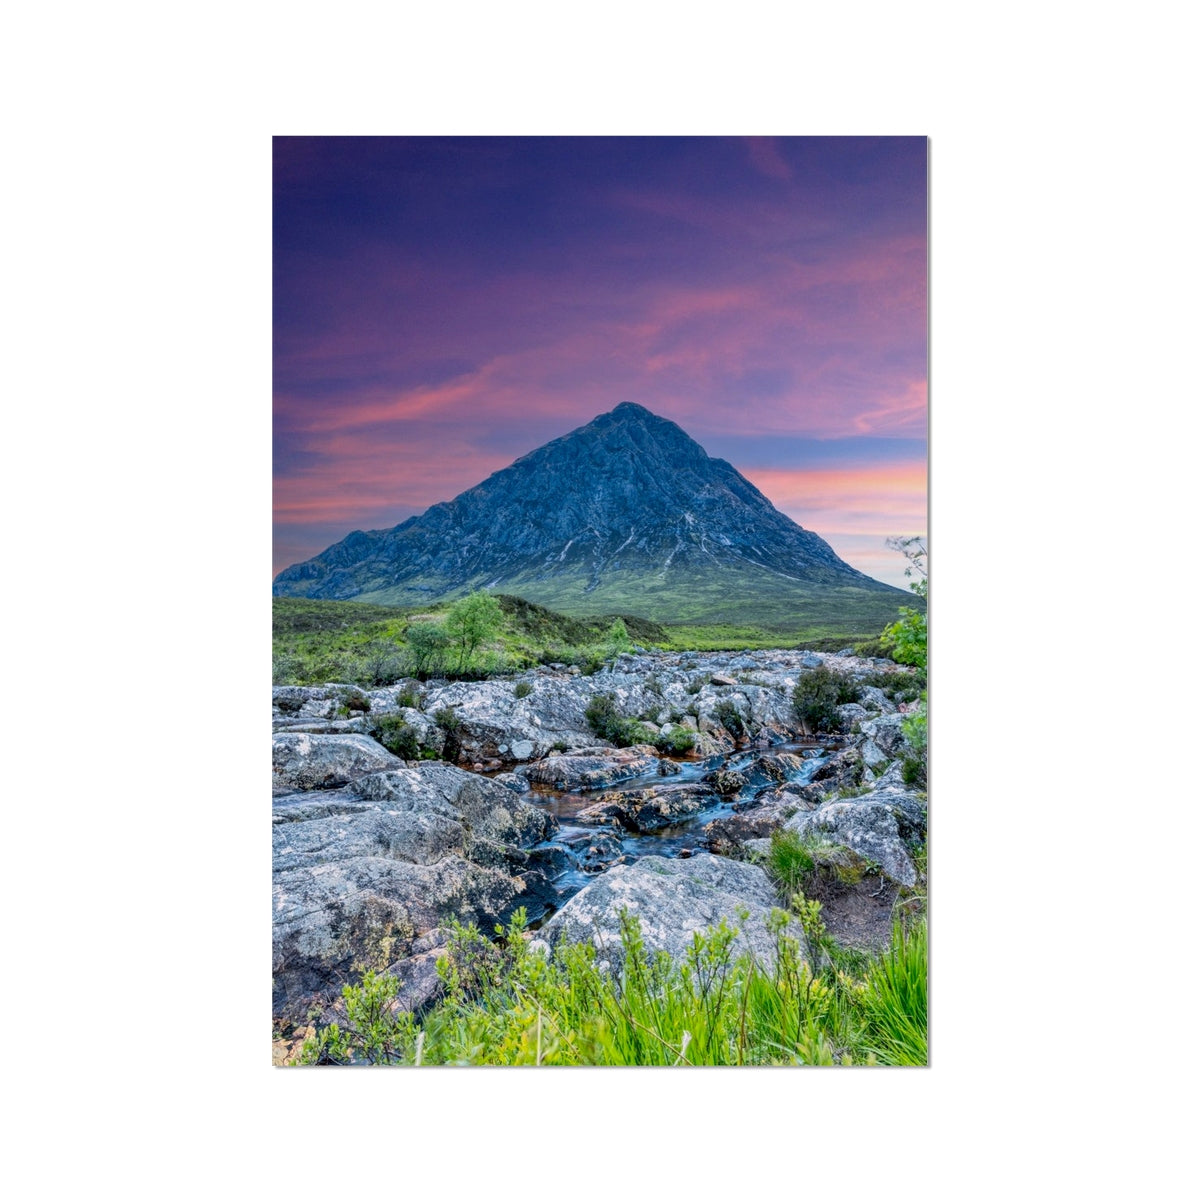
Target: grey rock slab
point(307, 761)
point(645, 809)
point(875, 826)
point(672, 899)
point(583, 772)
point(486, 808)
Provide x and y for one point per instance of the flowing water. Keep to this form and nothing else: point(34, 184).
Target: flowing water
point(681, 839)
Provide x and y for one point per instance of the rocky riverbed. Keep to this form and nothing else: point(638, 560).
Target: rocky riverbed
point(372, 852)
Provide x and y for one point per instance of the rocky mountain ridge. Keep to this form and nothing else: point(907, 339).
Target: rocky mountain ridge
point(627, 513)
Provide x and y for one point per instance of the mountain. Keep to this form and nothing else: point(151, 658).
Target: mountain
point(626, 514)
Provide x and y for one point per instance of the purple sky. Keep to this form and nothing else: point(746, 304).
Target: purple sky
point(443, 306)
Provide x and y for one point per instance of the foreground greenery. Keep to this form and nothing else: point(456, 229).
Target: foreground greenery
point(507, 1004)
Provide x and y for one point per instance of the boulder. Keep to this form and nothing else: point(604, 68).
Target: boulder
point(876, 826)
point(333, 917)
point(649, 808)
point(672, 898)
point(487, 810)
point(306, 761)
point(598, 768)
point(875, 699)
point(359, 873)
point(887, 733)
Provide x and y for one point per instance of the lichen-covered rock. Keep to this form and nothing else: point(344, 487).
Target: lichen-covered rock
point(876, 826)
point(672, 898)
point(306, 761)
point(887, 733)
point(650, 808)
point(599, 768)
point(365, 910)
point(360, 872)
point(485, 808)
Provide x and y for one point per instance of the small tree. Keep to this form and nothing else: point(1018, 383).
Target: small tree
point(426, 643)
point(470, 622)
point(908, 638)
point(618, 637)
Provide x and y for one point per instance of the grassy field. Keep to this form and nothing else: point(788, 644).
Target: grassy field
point(324, 641)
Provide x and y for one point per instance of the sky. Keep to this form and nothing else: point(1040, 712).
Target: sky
point(443, 306)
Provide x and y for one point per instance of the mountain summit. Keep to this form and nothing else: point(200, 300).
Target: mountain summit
point(626, 514)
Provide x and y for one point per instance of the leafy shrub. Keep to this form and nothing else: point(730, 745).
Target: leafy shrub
point(678, 741)
point(426, 644)
point(816, 697)
point(726, 712)
point(395, 734)
point(450, 723)
point(408, 698)
point(607, 723)
point(355, 702)
point(447, 719)
point(872, 649)
point(914, 765)
point(522, 689)
point(382, 663)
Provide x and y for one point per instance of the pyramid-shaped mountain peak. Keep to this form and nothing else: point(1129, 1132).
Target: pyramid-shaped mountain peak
point(625, 514)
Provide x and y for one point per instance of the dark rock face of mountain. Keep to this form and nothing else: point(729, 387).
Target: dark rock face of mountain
point(627, 513)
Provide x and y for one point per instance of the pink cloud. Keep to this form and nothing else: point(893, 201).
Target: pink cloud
point(765, 157)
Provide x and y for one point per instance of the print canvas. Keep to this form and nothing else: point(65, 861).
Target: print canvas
point(600, 601)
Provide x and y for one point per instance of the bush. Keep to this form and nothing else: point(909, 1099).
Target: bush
point(408, 698)
point(816, 697)
point(678, 741)
point(607, 723)
point(522, 689)
point(395, 734)
point(726, 712)
point(426, 645)
point(355, 702)
point(914, 766)
point(383, 663)
point(450, 723)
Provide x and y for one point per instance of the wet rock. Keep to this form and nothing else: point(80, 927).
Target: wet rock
point(306, 761)
point(648, 808)
point(517, 784)
point(671, 898)
point(726, 835)
point(598, 769)
point(594, 850)
point(843, 769)
point(726, 783)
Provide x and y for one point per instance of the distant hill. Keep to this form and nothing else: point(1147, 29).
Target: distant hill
point(626, 514)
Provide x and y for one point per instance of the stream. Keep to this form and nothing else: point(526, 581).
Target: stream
point(683, 838)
